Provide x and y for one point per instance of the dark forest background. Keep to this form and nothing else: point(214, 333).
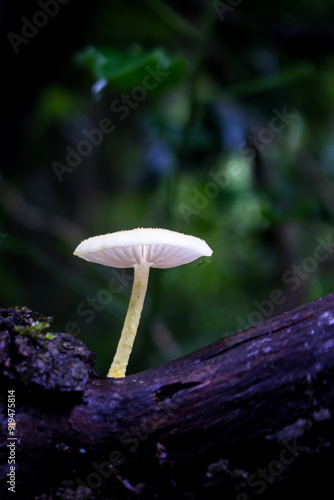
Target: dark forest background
point(234, 145)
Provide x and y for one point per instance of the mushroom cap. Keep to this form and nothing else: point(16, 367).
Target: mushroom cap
point(157, 247)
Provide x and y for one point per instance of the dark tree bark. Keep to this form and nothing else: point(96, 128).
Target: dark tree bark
point(248, 416)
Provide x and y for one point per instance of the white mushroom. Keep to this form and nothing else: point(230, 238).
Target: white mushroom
point(141, 249)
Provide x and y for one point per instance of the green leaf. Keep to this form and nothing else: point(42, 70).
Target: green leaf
point(125, 70)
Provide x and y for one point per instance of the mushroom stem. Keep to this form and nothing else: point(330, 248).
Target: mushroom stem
point(124, 348)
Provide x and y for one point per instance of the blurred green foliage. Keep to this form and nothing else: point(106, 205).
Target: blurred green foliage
point(122, 70)
point(234, 145)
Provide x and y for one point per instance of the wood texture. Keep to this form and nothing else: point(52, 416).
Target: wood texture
point(250, 416)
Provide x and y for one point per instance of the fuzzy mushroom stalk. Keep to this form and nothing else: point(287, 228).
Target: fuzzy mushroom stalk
point(141, 249)
point(128, 335)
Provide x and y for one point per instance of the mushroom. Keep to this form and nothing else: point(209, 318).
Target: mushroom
point(141, 249)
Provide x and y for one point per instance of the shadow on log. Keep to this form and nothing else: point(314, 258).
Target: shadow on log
point(250, 416)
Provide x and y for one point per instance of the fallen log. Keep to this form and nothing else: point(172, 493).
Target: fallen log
point(248, 416)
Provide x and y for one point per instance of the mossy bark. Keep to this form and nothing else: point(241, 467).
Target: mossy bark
point(248, 416)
